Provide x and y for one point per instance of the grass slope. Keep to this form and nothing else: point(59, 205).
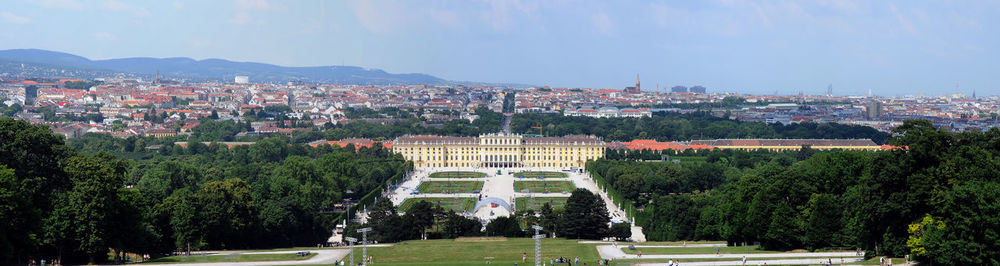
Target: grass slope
point(451, 252)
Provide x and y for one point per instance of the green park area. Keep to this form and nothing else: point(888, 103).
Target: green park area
point(544, 174)
point(451, 204)
point(450, 186)
point(500, 252)
point(544, 186)
point(229, 258)
point(457, 174)
point(535, 203)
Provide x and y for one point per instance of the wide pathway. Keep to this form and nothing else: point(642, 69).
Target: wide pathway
point(813, 261)
point(323, 256)
point(616, 252)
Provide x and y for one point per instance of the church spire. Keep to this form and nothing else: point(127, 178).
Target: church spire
point(636, 81)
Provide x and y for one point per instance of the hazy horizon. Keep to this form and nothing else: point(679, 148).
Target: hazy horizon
point(892, 48)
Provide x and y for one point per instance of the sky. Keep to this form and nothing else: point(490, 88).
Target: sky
point(761, 47)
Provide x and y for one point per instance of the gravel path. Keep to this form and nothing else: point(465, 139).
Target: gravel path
point(613, 252)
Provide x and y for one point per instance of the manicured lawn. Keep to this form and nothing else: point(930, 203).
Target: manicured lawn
point(451, 252)
point(457, 174)
point(536, 174)
point(523, 204)
point(693, 250)
point(450, 186)
point(454, 204)
point(229, 258)
point(544, 186)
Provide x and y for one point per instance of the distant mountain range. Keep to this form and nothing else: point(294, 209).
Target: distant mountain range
point(222, 70)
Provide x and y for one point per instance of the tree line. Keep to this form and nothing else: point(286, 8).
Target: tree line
point(661, 126)
point(59, 202)
point(666, 126)
point(935, 199)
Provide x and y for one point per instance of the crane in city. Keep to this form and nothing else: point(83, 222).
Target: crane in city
point(539, 127)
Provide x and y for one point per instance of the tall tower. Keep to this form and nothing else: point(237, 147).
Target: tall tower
point(636, 82)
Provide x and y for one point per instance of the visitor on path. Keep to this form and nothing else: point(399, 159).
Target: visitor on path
point(524, 257)
point(744, 260)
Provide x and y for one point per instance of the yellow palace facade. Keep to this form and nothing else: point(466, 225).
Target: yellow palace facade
point(499, 150)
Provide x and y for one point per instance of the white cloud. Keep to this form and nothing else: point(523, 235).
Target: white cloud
point(903, 21)
point(241, 18)
point(847, 6)
point(385, 17)
point(501, 13)
point(178, 4)
point(68, 4)
point(105, 36)
point(253, 4)
point(446, 17)
point(381, 19)
point(10, 17)
point(664, 15)
point(602, 22)
point(116, 5)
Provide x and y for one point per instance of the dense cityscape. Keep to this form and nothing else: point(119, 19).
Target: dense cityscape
point(124, 107)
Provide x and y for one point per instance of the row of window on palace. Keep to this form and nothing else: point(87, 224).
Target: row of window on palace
point(505, 158)
point(498, 149)
point(466, 164)
point(501, 142)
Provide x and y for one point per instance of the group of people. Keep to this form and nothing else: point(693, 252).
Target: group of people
point(576, 261)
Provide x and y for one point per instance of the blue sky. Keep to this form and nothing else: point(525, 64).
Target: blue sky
point(890, 47)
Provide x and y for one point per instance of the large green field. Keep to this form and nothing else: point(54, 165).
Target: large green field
point(453, 204)
point(536, 174)
point(450, 186)
point(452, 252)
point(457, 174)
point(544, 186)
point(229, 258)
point(523, 204)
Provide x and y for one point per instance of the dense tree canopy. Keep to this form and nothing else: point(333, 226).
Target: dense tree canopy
point(56, 202)
point(943, 184)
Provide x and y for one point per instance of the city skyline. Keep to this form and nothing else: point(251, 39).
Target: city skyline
point(891, 48)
